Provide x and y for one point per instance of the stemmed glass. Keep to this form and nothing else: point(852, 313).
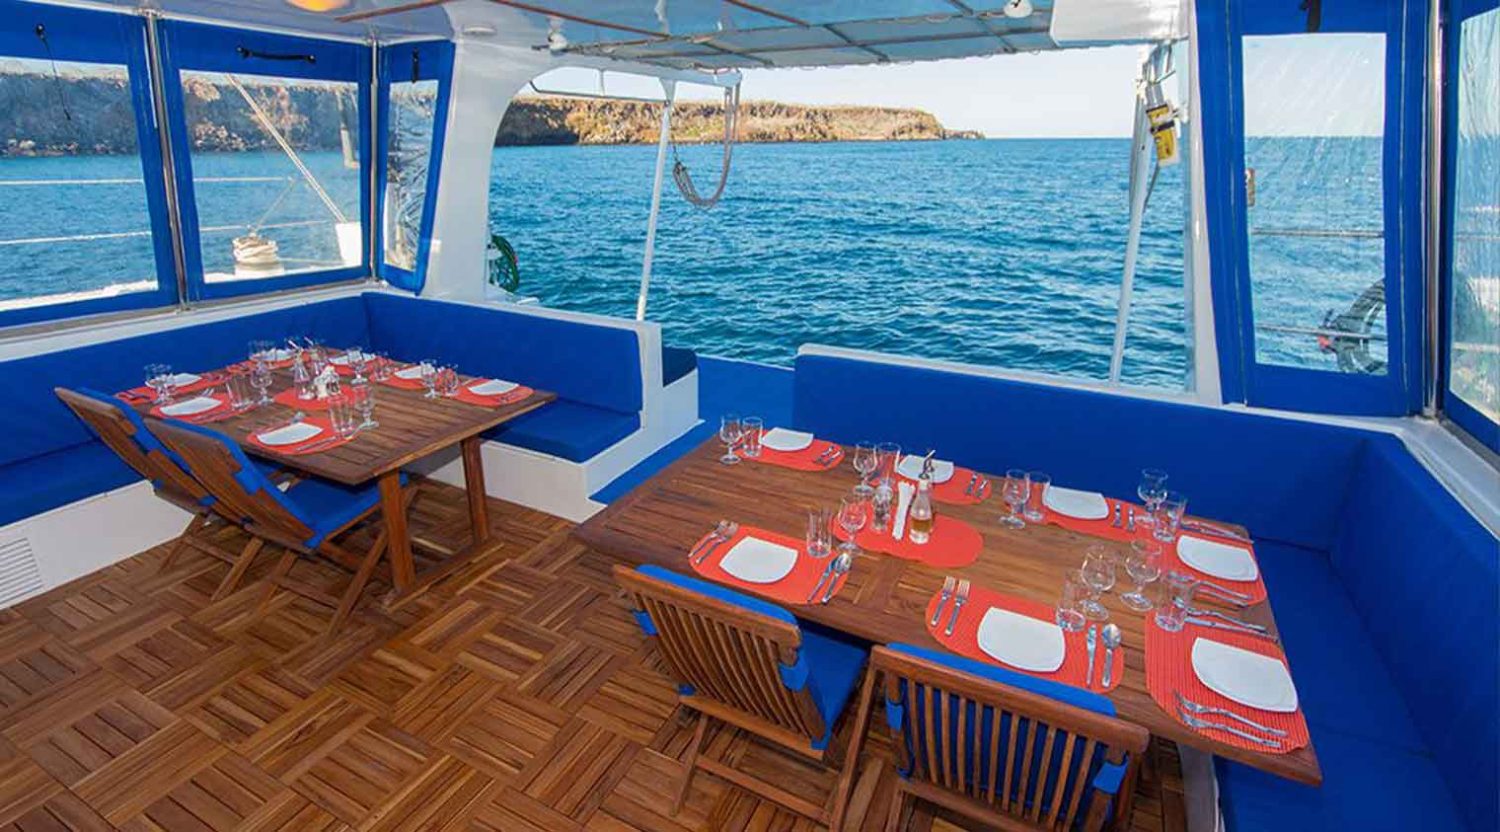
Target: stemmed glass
point(1015, 490)
point(362, 395)
point(1152, 489)
point(159, 379)
point(261, 351)
point(730, 433)
point(854, 513)
point(1143, 564)
point(358, 361)
point(260, 379)
point(865, 463)
point(1099, 575)
point(429, 372)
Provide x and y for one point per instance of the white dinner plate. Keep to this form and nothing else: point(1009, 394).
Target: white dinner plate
point(290, 434)
point(784, 440)
point(341, 360)
point(191, 407)
point(910, 467)
point(184, 379)
point(759, 561)
point(1021, 641)
point(411, 373)
point(1216, 558)
point(1084, 505)
point(493, 387)
point(1247, 677)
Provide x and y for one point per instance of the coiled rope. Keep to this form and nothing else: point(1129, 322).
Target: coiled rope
point(680, 173)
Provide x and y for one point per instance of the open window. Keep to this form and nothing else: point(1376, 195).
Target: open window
point(272, 150)
point(78, 131)
point(413, 100)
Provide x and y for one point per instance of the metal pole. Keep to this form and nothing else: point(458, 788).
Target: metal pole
point(1433, 284)
point(669, 89)
point(1140, 161)
point(168, 165)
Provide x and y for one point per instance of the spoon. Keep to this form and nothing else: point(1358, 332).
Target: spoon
point(841, 565)
point(1112, 638)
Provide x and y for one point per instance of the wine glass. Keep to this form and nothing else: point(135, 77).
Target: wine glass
point(429, 373)
point(261, 351)
point(159, 379)
point(1015, 490)
point(1143, 564)
point(1152, 489)
point(260, 379)
point(1099, 575)
point(362, 394)
point(864, 462)
point(729, 433)
point(358, 361)
point(854, 513)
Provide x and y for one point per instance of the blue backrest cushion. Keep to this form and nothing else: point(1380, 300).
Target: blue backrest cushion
point(1283, 479)
point(589, 363)
point(34, 421)
point(1425, 577)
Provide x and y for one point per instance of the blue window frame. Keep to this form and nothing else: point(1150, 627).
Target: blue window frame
point(1261, 379)
point(57, 261)
point(272, 144)
point(1470, 346)
point(415, 84)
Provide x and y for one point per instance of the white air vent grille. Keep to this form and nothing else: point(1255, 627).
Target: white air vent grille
point(19, 576)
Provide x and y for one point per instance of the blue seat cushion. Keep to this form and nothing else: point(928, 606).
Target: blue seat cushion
point(1366, 785)
point(676, 362)
point(55, 479)
point(1077, 697)
point(567, 429)
point(327, 506)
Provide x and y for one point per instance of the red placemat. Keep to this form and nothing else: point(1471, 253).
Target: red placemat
point(325, 441)
point(1256, 589)
point(288, 397)
point(955, 490)
point(803, 460)
point(965, 638)
point(511, 397)
point(1169, 667)
point(793, 589)
point(1100, 528)
point(953, 543)
point(223, 411)
point(146, 394)
point(399, 383)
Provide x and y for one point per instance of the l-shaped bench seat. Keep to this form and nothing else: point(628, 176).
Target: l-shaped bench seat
point(1385, 587)
point(50, 460)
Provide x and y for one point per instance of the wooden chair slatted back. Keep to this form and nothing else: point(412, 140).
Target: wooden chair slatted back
point(119, 432)
point(1017, 754)
point(218, 467)
point(726, 653)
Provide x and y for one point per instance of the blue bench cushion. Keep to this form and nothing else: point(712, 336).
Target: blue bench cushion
point(1298, 472)
point(676, 362)
point(328, 506)
point(42, 483)
point(592, 364)
point(567, 429)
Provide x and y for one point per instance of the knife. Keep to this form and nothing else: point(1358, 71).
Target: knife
point(1214, 531)
point(827, 570)
point(1092, 640)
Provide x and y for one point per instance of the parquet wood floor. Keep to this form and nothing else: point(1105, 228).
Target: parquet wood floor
point(517, 695)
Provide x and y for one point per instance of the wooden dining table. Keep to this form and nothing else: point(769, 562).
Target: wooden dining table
point(885, 598)
point(411, 427)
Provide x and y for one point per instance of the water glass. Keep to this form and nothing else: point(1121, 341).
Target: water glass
point(447, 382)
point(1143, 564)
point(362, 395)
point(1070, 615)
point(865, 463)
point(887, 455)
point(241, 392)
point(1174, 597)
point(302, 377)
point(1099, 575)
point(261, 351)
point(1168, 516)
point(819, 532)
point(428, 371)
point(880, 504)
point(341, 413)
point(159, 379)
point(358, 360)
point(1035, 512)
point(751, 430)
point(854, 513)
point(1152, 489)
point(730, 431)
point(380, 366)
point(1014, 490)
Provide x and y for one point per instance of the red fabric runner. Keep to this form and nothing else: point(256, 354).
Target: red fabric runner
point(288, 397)
point(803, 460)
point(1169, 667)
point(953, 543)
point(1101, 528)
point(325, 441)
point(965, 638)
point(952, 490)
point(393, 380)
point(793, 589)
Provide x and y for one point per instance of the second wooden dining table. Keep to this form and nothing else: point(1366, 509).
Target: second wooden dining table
point(885, 598)
point(411, 427)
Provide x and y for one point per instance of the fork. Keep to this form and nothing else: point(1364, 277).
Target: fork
point(943, 597)
point(959, 600)
point(1227, 594)
point(721, 533)
point(1220, 625)
point(1208, 710)
point(1195, 722)
point(1229, 619)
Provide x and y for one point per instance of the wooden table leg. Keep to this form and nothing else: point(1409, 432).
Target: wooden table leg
point(393, 512)
point(479, 514)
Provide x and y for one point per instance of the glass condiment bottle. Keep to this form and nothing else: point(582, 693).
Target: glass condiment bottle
point(302, 378)
point(920, 517)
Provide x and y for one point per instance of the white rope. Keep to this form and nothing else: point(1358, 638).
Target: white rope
point(121, 235)
point(286, 147)
point(31, 182)
point(680, 173)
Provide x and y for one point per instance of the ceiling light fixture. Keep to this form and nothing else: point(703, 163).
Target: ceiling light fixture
point(1018, 8)
point(318, 6)
point(478, 30)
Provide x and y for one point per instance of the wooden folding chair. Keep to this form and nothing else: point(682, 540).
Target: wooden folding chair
point(123, 431)
point(745, 662)
point(305, 517)
point(1004, 748)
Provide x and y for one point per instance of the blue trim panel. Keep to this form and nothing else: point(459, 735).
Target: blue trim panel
point(200, 47)
point(433, 62)
point(109, 38)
